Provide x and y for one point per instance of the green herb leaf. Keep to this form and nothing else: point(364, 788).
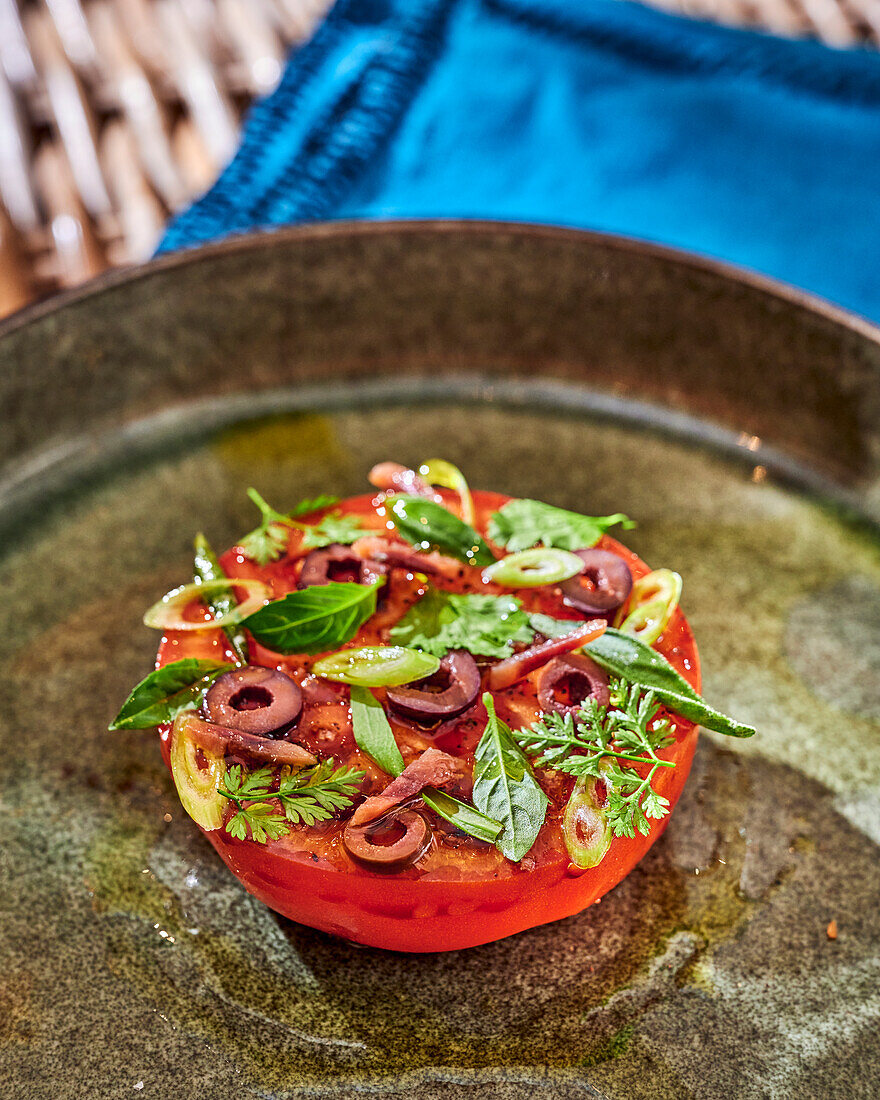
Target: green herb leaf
point(627, 657)
point(315, 619)
point(207, 568)
point(462, 816)
point(372, 731)
point(505, 787)
point(314, 794)
point(333, 528)
point(609, 743)
point(269, 541)
point(167, 692)
point(430, 526)
point(520, 524)
point(486, 626)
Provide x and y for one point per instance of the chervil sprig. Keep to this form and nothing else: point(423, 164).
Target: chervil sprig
point(269, 541)
point(311, 795)
point(614, 743)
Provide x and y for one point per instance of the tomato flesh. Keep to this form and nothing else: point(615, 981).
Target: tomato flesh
point(461, 892)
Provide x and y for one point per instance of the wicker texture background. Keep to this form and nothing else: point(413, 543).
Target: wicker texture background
point(115, 113)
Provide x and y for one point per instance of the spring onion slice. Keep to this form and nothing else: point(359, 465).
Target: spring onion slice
point(652, 601)
point(167, 613)
point(584, 827)
point(437, 471)
point(376, 666)
point(533, 568)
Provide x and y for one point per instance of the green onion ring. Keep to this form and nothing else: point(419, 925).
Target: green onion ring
point(585, 830)
point(437, 471)
point(652, 601)
point(533, 568)
point(166, 614)
point(376, 666)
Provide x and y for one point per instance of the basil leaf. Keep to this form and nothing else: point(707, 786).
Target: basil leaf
point(207, 568)
point(372, 731)
point(314, 619)
point(167, 692)
point(627, 657)
point(333, 528)
point(486, 626)
point(462, 816)
point(520, 524)
point(505, 787)
point(429, 525)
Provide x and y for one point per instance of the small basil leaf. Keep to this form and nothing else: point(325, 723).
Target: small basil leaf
point(627, 657)
point(429, 525)
point(315, 619)
point(461, 815)
point(167, 692)
point(520, 524)
point(372, 731)
point(505, 787)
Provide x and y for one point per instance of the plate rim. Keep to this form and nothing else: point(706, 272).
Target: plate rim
point(476, 227)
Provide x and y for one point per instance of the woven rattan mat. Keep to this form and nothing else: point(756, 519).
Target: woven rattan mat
point(115, 113)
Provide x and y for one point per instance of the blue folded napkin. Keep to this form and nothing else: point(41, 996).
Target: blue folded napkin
point(593, 113)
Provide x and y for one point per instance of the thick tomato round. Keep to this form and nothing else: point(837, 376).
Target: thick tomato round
point(461, 892)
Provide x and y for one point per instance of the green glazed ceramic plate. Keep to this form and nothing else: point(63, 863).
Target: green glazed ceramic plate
point(739, 422)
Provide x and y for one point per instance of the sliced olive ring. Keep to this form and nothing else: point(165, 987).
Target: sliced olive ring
point(447, 693)
point(364, 843)
point(261, 701)
point(582, 678)
point(611, 578)
point(338, 563)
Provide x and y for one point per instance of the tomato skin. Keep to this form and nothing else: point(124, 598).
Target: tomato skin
point(438, 914)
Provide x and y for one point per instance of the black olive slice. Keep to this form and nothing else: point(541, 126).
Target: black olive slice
point(338, 563)
point(448, 692)
point(261, 701)
point(390, 843)
point(567, 682)
point(610, 576)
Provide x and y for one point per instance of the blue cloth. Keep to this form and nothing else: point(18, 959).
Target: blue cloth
point(593, 113)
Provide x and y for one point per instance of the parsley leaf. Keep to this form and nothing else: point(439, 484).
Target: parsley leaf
point(314, 619)
point(505, 787)
point(313, 794)
point(610, 743)
point(269, 541)
point(167, 692)
point(486, 626)
point(333, 528)
point(520, 524)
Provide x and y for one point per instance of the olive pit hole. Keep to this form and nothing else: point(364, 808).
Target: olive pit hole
point(387, 834)
point(251, 697)
point(572, 690)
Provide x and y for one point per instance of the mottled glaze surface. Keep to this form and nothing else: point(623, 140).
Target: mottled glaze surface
point(132, 963)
